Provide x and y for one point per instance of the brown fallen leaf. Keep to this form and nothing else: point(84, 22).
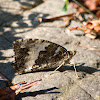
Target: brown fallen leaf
point(90, 4)
point(98, 13)
point(90, 28)
point(9, 93)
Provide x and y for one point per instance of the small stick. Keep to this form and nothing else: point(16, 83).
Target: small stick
point(77, 28)
point(23, 82)
point(5, 79)
point(31, 82)
point(53, 18)
point(26, 86)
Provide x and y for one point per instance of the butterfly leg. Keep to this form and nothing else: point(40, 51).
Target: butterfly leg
point(58, 67)
point(75, 70)
point(62, 65)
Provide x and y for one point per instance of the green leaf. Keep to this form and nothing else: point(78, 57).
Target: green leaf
point(65, 6)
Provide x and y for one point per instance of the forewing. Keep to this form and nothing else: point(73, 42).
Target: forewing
point(37, 54)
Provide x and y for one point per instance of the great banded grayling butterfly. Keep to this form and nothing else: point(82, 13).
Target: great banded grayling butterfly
point(37, 54)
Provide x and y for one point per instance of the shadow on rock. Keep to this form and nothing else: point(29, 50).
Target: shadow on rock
point(35, 93)
point(6, 39)
point(80, 68)
point(34, 18)
point(7, 36)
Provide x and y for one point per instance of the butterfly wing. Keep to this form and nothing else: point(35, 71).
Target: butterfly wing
point(37, 54)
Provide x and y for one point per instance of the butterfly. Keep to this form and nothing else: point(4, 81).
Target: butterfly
point(38, 54)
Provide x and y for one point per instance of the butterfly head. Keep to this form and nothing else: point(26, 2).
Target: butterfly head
point(70, 54)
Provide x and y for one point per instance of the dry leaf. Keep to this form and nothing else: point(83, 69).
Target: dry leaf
point(91, 4)
point(9, 93)
point(91, 29)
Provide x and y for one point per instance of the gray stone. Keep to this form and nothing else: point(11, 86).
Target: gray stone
point(63, 84)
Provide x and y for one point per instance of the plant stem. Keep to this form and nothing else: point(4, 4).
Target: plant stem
point(84, 8)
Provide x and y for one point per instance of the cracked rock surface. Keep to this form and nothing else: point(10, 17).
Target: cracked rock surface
point(16, 22)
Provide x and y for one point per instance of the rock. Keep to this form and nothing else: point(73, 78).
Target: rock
point(63, 84)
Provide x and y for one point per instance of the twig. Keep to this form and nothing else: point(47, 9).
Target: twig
point(77, 28)
point(5, 79)
point(26, 86)
point(54, 18)
point(23, 82)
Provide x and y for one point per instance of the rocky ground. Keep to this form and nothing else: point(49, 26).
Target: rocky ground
point(16, 23)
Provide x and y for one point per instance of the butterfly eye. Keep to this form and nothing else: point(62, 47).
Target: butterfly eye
point(65, 54)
